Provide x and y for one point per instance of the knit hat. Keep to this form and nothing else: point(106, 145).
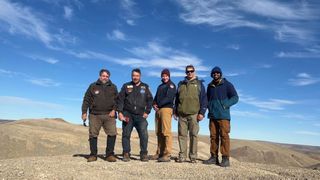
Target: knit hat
point(165, 71)
point(216, 69)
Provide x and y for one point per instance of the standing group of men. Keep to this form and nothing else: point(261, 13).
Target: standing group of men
point(187, 103)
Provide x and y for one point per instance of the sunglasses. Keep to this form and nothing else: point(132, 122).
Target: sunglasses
point(192, 71)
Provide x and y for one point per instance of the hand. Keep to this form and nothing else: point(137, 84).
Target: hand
point(121, 117)
point(155, 107)
point(112, 114)
point(84, 117)
point(175, 117)
point(199, 117)
point(145, 115)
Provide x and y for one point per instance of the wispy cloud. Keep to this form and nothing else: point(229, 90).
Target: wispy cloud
point(153, 55)
point(68, 12)
point(174, 74)
point(309, 133)
point(303, 79)
point(49, 60)
point(45, 82)
point(15, 18)
point(311, 52)
point(285, 19)
point(21, 20)
point(130, 12)
point(21, 101)
point(116, 35)
point(234, 47)
point(270, 104)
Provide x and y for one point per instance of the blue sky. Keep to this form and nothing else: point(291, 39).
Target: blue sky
point(50, 51)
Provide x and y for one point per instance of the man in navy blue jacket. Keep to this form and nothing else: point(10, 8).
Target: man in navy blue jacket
point(221, 96)
point(163, 105)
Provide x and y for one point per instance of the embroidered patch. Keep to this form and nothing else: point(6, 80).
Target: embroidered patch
point(143, 87)
point(171, 86)
point(142, 91)
point(129, 86)
point(96, 92)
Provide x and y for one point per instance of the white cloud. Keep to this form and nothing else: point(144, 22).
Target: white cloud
point(311, 52)
point(21, 101)
point(309, 133)
point(234, 47)
point(117, 35)
point(130, 12)
point(303, 79)
point(68, 12)
point(286, 19)
point(49, 60)
point(270, 104)
point(153, 55)
point(21, 20)
point(45, 82)
point(173, 74)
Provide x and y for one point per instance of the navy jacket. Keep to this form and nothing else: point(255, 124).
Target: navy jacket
point(221, 97)
point(165, 95)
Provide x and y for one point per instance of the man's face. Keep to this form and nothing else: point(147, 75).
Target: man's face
point(190, 73)
point(104, 77)
point(136, 77)
point(216, 76)
point(165, 78)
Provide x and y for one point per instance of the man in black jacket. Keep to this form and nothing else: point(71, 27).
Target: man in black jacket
point(134, 104)
point(163, 105)
point(100, 99)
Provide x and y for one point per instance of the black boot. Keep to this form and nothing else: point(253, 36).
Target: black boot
point(93, 141)
point(111, 140)
point(225, 161)
point(212, 160)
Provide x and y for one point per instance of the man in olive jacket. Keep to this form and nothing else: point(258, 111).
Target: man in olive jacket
point(190, 107)
point(100, 99)
point(221, 96)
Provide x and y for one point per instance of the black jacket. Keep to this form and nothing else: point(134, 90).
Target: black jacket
point(135, 99)
point(165, 95)
point(100, 98)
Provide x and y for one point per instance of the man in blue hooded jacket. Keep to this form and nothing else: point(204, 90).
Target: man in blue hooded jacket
point(221, 96)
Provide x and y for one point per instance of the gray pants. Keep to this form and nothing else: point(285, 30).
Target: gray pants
point(191, 124)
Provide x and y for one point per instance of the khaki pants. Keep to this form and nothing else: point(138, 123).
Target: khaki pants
point(98, 121)
point(219, 130)
point(163, 119)
point(191, 124)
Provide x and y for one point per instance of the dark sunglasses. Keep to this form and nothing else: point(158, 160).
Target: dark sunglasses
point(192, 71)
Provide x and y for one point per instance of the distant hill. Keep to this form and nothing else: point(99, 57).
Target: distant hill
point(48, 137)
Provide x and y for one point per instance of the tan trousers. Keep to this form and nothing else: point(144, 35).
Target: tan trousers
point(219, 130)
point(163, 120)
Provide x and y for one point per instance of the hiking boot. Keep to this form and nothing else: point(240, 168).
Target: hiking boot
point(164, 158)
point(154, 157)
point(212, 160)
point(144, 158)
point(180, 160)
point(193, 161)
point(126, 157)
point(111, 158)
point(92, 158)
point(225, 161)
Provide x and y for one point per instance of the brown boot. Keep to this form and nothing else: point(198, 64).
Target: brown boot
point(154, 157)
point(126, 157)
point(165, 158)
point(92, 158)
point(111, 158)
